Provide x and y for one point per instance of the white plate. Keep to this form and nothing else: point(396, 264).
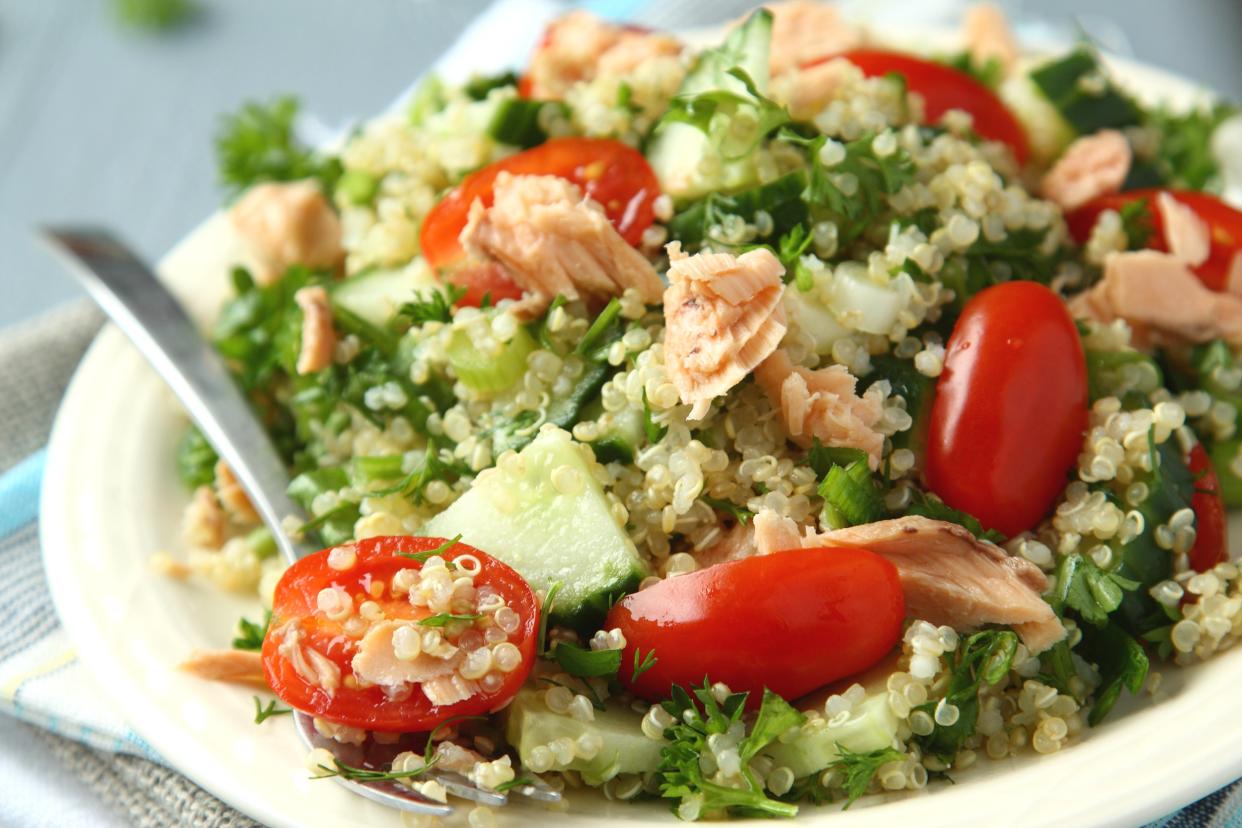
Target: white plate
point(111, 498)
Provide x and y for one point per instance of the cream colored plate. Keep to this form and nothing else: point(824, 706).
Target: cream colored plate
point(111, 498)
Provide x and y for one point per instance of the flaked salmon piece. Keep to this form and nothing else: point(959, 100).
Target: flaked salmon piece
point(803, 30)
point(948, 576)
point(204, 523)
point(318, 335)
point(316, 668)
point(987, 35)
point(550, 240)
point(733, 545)
point(450, 688)
point(1161, 299)
point(722, 317)
point(580, 46)
point(806, 92)
point(1187, 235)
point(236, 666)
point(376, 661)
point(1092, 166)
point(822, 404)
point(232, 496)
point(288, 223)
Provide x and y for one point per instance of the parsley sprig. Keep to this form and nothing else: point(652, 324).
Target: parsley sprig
point(858, 769)
point(435, 305)
point(257, 143)
point(695, 719)
point(250, 634)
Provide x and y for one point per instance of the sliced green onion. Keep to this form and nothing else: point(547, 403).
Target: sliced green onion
point(850, 496)
point(599, 328)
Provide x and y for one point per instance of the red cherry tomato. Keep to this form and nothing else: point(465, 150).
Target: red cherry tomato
point(1010, 409)
point(1210, 531)
point(610, 172)
point(295, 611)
point(791, 621)
point(944, 88)
point(483, 281)
point(1224, 223)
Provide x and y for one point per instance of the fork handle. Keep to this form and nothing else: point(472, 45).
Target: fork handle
point(148, 314)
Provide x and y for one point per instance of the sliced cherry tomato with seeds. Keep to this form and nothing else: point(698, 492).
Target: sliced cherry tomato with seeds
point(790, 621)
point(1010, 411)
point(312, 642)
point(1224, 226)
point(943, 88)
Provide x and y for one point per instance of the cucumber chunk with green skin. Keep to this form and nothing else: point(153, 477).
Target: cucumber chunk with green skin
point(620, 437)
point(544, 514)
point(376, 295)
point(871, 725)
point(489, 372)
point(530, 724)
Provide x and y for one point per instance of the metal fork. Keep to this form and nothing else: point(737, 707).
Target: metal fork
point(134, 298)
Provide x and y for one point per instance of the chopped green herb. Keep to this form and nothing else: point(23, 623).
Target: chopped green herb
point(930, 506)
point(1184, 157)
point(262, 713)
point(599, 332)
point(1122, 664)
point(544, 612)
point(643, 664)
point(442, 619)
point(251, 634)
point(1136, 222)
point(519, 782)
point(738, 513)
point(480, 86)
point(355, 774)
point(858, 769)
point(653, 430)
point(423, 557)
point(982, 658)
point(583, 663)
point(431, 468)
point(542, 332)
point(257, 143)
point(990, 72)
point(196, 459)
point(680, 772)
point(434, 305)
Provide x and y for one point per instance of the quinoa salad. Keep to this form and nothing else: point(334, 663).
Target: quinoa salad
point(751, 428)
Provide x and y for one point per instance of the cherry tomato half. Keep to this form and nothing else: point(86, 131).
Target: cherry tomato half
point(790, 621)
point(295, 611)
point(1210, 531)
point(610, 172)
point(1010, 409)
point(1224, 224)
point(943, 88)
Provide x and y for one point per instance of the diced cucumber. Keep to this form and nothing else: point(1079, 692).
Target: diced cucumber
point(809, 315)
point(545, 515)
point(1079, 88)
point(871, 725)
point(1048, 132)
point(375, 295)
point(622, 432)
point(530, 724)
point(688, 163)
point(489, 372)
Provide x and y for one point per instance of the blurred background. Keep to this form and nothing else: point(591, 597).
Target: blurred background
point(107, 111)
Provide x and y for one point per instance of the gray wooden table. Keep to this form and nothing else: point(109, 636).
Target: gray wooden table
point(103, 123)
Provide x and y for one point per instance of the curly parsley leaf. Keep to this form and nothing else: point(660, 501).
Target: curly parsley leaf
point(930, 506)
point(196, 459)
point(681, 774)
point(1093, 592)
point(983, 658)
point(257, 143)
point(1122, 663)
point(858, 769)
point(1184, 156)
point(250, 634)
point(435, 305)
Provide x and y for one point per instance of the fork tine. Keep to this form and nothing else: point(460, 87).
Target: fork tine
point(537, 790)
point(385, 792)
point(460, 786)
